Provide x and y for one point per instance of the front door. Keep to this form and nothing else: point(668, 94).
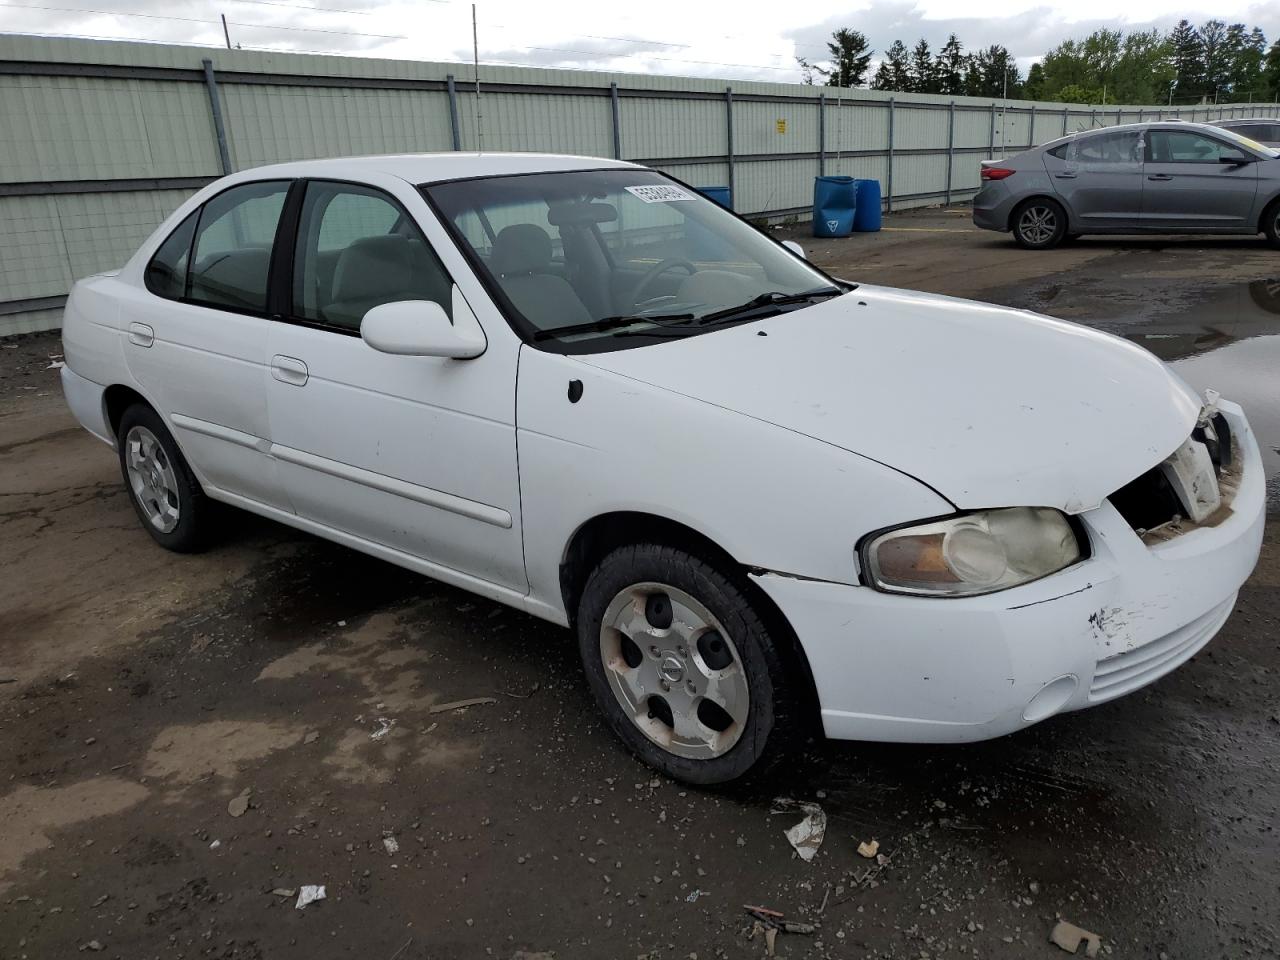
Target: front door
point(1099, 176)
point(413, 453)
point(1194, 180)
point(197, 337)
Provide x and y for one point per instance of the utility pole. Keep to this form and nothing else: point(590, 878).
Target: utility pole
point(225, 32)
point(475, 54)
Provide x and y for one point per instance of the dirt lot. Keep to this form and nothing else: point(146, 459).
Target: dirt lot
point(143, 692)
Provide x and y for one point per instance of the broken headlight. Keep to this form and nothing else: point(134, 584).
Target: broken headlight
point(972, 553)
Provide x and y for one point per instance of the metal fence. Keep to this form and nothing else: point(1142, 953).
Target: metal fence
point(100, 141)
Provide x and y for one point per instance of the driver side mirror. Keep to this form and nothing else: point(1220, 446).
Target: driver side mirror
point(1239, 160)
point(418, 328)
point(795, 248)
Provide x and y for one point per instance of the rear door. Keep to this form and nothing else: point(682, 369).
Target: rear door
point(1194, 180)
point(1099, 176)
point(197, 337)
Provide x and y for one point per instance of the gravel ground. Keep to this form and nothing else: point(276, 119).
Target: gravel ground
point(147, 699)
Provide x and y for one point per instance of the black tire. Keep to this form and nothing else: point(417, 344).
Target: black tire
point(771, 724)
point(1039, 223)
point(1271, 224)
point(191, 530)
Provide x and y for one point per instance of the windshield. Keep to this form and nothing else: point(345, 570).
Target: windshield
point(604, 259)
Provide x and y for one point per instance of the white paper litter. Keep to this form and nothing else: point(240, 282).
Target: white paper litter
point(392, 845)
point(806, 836)
point(309, 893)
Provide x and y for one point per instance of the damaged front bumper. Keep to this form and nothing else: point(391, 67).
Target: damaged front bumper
point(899, 668)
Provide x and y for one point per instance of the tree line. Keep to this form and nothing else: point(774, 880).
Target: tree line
point(1214, 63)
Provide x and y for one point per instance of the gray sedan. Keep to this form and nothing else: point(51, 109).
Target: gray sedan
point(1265, 130)
point(1169, 177)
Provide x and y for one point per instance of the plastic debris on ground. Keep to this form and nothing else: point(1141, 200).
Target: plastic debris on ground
point(459, 704)
point(384, 727)
point(694, 895)
point(869, 850)
point(806, 836)
point(309, 893)
point(768, 923)
point(1069, 937)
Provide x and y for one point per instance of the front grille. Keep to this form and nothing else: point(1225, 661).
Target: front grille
point(1126, 672)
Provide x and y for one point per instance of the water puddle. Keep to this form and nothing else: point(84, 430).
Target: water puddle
point(1230, 343)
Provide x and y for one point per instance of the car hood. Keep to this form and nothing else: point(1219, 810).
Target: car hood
point(990, 406)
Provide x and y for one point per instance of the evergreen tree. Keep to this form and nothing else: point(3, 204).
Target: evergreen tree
point(894, 72)
point(1215, 56)
point(1271, 73)
point(1246, 51)
point(949, 68)
point(1033, 89)
point(923, 79)
point(850, 56)
point(1188, 60)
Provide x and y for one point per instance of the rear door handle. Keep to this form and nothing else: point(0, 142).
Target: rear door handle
point(141, 334)
point(289, 370)
point(1159, 176)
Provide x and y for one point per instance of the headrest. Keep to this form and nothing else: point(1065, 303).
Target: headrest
point(373, 267)
point(521, 248)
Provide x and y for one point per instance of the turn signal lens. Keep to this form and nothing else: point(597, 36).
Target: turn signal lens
point(972, 553)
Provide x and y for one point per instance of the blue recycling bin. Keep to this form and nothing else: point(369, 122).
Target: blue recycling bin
point(866, 218)
point(721, 195)
point(834, 204)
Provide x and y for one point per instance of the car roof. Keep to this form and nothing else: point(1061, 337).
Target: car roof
point(1227, 123)
point(435, 167)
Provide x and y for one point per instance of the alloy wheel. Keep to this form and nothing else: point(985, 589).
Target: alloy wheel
point(152, 479)
point(1038, 224)
point(674, 670)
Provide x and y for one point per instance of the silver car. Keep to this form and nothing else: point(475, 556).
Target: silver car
point(1166, 177)
point(1265, 130)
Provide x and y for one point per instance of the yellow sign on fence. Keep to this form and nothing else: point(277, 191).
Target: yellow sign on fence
point(781, 125)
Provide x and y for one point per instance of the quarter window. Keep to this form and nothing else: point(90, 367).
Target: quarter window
point(357, 249)
point(232, 256)
point(1184, 146)
point(166, 274)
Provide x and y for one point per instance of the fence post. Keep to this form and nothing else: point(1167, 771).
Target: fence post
point(890, 184)
point(1066, 115)
point(1031, 130)
point(617, 123)
point(822, 134)
point(1141, 114)
point(211, 84)
point(728, 120)
point(453, 112)
point(951, 146)
point(991, 145)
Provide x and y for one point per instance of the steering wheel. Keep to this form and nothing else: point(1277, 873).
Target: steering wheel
point(657, 270)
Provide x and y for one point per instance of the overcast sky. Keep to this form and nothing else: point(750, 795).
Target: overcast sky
point(718, 39)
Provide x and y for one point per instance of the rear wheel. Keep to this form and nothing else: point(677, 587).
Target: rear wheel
point(1039, 224)
point(684, 669)
point(165, 493)
point(1271, 224)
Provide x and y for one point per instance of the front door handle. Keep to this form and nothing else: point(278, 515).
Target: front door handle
point(1065, 176)
point(289, 370)
point(1159, 176)
point(141, 334)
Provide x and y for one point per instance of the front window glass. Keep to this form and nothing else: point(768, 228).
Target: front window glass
point(603, 259)
point(232, 256)
point(357, 249)
point(1186, 146)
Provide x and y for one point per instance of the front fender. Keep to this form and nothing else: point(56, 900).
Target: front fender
point(770, 497)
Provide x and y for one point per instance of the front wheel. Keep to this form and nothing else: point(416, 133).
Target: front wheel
point(1039, 224)
point(683, 666)
point(1271, 224)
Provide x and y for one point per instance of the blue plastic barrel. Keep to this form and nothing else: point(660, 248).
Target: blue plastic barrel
point(834, 203)
point(721, 195)
point(866, 219)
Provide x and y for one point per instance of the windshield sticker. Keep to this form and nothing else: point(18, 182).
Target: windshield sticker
point(659, 193)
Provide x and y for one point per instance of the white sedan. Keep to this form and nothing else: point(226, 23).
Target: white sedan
point(767, 501)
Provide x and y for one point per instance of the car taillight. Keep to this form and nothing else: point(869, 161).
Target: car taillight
point(996, 173)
